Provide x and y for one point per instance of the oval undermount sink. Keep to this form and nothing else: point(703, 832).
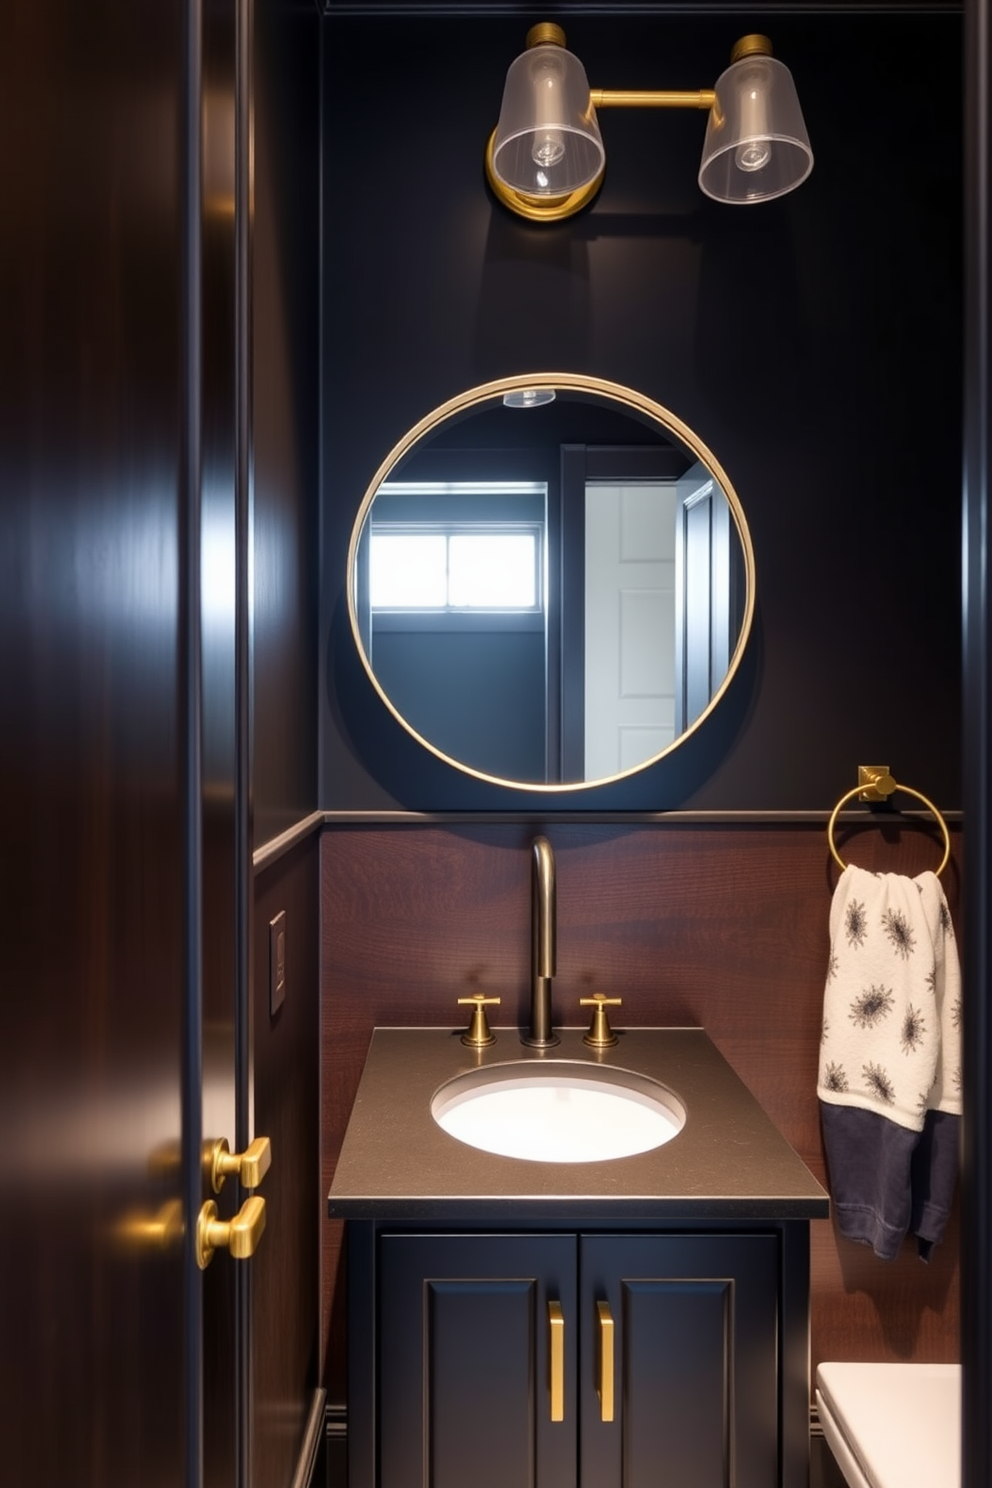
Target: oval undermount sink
point(561, 1112)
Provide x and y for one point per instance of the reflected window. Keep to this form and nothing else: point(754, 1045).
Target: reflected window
point(408, 570)
point(421, 568)
point(452, 588)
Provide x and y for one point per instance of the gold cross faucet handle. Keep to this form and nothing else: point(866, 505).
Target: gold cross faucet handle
point(478, 1034)
point(600, 1035)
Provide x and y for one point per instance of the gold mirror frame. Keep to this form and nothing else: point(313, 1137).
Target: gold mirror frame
point(558, 382)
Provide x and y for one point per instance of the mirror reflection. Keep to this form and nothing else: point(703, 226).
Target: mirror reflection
point(551, 581)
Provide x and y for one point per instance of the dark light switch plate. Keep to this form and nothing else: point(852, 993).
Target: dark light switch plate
point(277, 963)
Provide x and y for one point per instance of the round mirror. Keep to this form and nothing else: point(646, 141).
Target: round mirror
point(550, 581)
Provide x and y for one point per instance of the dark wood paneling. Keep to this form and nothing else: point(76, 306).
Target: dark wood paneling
point(285, 1301)
point(724, 927)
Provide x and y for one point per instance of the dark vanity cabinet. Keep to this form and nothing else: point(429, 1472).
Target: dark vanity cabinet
point(545, 1359)
point(637, 1323)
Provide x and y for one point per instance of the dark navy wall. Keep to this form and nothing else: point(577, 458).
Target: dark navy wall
point(814, 344)
point(464, 691)
point(285, 411)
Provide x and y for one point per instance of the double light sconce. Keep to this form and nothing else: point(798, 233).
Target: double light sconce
point(545, 160)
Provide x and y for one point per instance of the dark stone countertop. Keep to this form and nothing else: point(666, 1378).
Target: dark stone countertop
point(729, 1162)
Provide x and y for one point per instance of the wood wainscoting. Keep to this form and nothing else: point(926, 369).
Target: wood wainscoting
point(286, 1414)
point(719, 924)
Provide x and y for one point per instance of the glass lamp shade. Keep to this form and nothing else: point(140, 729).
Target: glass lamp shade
point(756, 145)
point(547, 142)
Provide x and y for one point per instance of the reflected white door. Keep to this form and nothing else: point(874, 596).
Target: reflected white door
point(630, 624)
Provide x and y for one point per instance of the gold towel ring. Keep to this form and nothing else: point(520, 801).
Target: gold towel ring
point(885, 786)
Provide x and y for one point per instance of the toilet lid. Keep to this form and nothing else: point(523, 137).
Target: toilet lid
point(901, 1422)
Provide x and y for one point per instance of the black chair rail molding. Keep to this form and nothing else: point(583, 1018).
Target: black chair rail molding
point(545, 160)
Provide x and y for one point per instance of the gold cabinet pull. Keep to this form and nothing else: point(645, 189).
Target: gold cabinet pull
point(556, 1356)
point(250, 1166)
point(605, 1383)
point(239, 1235)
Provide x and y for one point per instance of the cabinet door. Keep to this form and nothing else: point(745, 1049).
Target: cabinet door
point(465, 1361)
point(694, 1374)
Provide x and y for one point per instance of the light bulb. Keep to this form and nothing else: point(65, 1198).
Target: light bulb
point(528, 397)
point(755, 151)
point(753, 156)
point(548, 146)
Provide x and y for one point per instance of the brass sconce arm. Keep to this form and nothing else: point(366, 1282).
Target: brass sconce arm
point(701, 98)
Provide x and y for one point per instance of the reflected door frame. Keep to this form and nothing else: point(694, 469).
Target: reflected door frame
point(580, 464)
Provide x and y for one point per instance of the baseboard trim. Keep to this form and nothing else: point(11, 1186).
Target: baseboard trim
point(312, 1436)
point(335, 1420)
point(336, 1438)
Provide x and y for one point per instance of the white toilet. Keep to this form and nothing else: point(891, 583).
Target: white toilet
point(893, 1425)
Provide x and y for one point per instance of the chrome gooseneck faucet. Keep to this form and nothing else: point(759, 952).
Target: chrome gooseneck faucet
point(543, 945)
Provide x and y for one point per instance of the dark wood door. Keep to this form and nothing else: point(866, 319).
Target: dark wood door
point(684, 1328)
point(468, 1359)
point(117, 1354)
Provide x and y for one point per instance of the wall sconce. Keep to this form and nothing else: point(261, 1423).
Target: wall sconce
point(545, 159)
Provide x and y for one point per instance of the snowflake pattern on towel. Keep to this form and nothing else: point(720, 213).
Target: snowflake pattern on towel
point(870, 1006)
point(856, 924)
point(914, 1030)
point(879, 1083)
point(897, 928)
point(835, 1078)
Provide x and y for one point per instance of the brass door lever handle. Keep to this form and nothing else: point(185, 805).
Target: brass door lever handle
point(239, 1235)
point(250, 1166)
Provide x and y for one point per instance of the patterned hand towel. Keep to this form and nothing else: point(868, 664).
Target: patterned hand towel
point(889, 1080)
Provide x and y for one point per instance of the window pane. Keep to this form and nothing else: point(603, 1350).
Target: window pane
point(407, 571)
point(493, 571)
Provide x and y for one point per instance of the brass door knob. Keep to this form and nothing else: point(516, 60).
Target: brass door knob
point(239, 1236)
point(600, 1035)
point(250, 1166)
